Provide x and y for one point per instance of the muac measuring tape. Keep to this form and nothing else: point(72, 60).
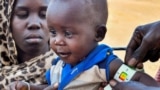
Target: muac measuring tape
point(123, 74)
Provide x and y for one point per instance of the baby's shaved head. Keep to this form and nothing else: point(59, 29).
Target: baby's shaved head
point(97, 10)
point(91, 11)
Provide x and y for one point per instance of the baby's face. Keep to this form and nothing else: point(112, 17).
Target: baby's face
point(29, 26)
point(70, 37)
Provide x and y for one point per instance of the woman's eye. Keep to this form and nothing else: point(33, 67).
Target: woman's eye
point(53, 33)
point(43, 14)
point(22, 14)
point(68, 34)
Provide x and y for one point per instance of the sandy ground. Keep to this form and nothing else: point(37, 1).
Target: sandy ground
point(124, 16)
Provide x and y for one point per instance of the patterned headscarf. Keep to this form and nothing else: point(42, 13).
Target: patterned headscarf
point(32, 71)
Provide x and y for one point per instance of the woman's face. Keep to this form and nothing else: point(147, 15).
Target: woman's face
point(28, 25)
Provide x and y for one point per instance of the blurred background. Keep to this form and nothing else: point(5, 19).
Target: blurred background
point(124, 17)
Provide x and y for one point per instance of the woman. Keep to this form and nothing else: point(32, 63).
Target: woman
point(24, 56)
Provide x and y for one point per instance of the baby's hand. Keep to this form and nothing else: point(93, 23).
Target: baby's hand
point(18, 85)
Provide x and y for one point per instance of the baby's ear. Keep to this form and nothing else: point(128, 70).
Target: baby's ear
point(100, 32)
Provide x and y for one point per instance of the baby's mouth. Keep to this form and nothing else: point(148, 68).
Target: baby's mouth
point(64, 55)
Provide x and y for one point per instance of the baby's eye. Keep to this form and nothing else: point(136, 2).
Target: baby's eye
point(53, 33)
point(68, 34)
point(42, 14)
point(22, 14)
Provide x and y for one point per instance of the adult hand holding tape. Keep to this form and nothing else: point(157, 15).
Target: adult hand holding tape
point(122, 80)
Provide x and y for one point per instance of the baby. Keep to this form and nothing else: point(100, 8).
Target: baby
point(76, 27)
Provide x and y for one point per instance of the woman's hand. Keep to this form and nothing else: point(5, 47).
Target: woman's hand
point(18, 85)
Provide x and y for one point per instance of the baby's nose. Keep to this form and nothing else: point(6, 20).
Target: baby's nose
point(59, 40)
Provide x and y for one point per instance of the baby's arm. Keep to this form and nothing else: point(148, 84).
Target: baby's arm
point(138, 76)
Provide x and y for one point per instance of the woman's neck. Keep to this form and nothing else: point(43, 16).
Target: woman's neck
point(25, 56)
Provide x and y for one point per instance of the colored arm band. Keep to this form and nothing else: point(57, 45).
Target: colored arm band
point(123, 74)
